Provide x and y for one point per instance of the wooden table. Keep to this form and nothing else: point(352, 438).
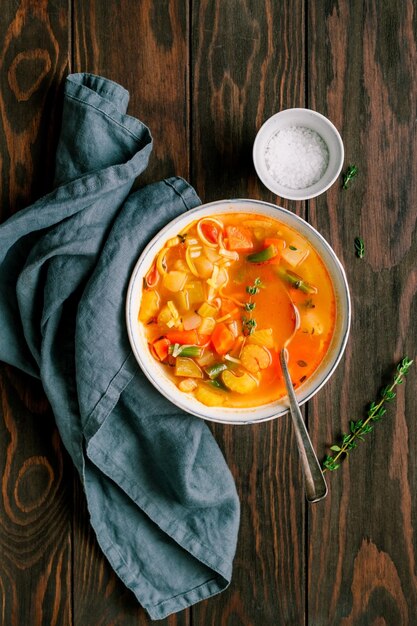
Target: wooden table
point(204, 75)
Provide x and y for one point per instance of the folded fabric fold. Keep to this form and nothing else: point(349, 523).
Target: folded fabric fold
point(161, 498)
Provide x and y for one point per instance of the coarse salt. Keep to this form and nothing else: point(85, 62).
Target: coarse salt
point(296, 157)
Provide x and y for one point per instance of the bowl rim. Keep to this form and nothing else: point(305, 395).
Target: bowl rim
point(204, 412)
point(260, 165)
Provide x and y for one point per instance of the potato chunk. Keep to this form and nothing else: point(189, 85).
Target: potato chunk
point(149, 305)
point(208, 396)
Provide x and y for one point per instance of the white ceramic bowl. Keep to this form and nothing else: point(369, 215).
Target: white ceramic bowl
point(305, 118)
point(154, 371)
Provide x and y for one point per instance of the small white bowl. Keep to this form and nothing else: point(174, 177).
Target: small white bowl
point(155, 371)
point(302, 118)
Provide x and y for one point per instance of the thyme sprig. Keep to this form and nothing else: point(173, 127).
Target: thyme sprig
point(359, 247)
point(362, 427)
point(350, 173)
point(249, 323)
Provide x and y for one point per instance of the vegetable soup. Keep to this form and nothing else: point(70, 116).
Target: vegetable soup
point(224, 296)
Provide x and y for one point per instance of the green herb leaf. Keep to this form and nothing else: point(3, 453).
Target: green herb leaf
point(359, 247)
point(248, 323)
point(365, 426)
point(350, 173)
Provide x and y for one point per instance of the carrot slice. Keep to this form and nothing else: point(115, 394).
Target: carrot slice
point(239, 238)
point(222, 339)
point(279, 243)
point(160, 348)
point(228, 307)
point(189, 337)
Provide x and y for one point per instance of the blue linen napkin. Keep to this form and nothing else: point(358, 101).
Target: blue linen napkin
point(160, 496)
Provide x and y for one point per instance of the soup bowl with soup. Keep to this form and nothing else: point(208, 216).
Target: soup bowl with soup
point(217, 294)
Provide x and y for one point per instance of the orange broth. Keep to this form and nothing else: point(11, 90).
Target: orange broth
point(221, 300)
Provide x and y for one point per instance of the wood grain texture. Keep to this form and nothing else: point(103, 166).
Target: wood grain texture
point(35, 512)
point(204, 75)
point(242, 73)
point(144, 46)
point(362, 543)
point(33, 60)
point(35, 507)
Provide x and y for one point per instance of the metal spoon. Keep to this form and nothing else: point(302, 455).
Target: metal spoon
point(314, 482)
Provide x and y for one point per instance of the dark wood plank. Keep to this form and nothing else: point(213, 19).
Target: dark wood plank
point(362, 74)
point(144, 47)
point(247, 62)
point(241, 74)
point(35, 512)
point(34, 55)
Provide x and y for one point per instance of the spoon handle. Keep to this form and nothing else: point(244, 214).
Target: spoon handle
point(314, 481)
